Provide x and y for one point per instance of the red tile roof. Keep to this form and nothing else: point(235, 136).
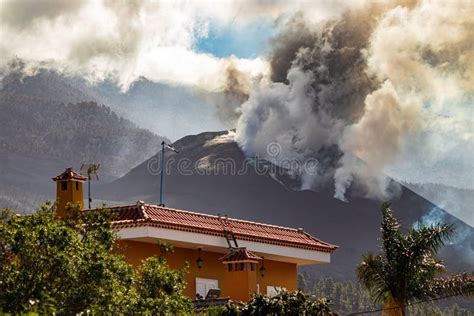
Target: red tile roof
point(142, 214)
point(240, 255)
point(70, 174)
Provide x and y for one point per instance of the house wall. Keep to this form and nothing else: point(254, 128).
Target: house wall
point(238, 285)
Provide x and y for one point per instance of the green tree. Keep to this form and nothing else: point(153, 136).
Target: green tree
point(407, 270)
point(68, 266)
point(65, 266)
point(284, 303)
point(160, 289)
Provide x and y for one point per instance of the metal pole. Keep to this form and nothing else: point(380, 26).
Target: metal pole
point(162, 171)
point(89, 188)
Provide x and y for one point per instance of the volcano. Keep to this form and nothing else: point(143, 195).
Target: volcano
point(209, 175)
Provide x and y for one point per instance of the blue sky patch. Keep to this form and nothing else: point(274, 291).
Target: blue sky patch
point(249, 41)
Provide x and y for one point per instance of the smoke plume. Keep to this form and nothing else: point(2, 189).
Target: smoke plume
point(364, 87)
point(370, 82)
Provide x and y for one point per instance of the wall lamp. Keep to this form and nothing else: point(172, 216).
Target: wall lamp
point(199, 261)
point(262, 269)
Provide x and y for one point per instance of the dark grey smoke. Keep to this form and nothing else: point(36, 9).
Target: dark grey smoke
point(334, 54)
point(234, 94)
point(294, 36)
point(231, 95)
point(328, 60)
point(323, 94)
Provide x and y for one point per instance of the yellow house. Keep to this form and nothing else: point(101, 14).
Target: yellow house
point(236, 256)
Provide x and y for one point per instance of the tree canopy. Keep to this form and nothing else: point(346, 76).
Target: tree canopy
point(68, 266)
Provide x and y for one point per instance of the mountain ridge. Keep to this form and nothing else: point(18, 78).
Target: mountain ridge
point(353, 226)
point(41, 135)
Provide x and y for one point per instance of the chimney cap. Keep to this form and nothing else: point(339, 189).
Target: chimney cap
point(70, 175)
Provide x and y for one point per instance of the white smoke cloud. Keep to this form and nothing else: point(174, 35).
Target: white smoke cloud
point(120, 40)
point(283, 113)
point(377, 138)
point(383, 83)
point(428, 52)
point(125, 40)
point(462, 240)
point(386, 82)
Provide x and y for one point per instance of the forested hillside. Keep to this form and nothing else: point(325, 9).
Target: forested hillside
point(82, 132)
point(351, 297)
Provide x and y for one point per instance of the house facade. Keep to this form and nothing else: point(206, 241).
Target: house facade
point(237, 257)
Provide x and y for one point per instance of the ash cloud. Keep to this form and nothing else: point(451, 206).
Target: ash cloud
point(363, 86)
point(22, 14)
point(232, 93)
point(370, 81)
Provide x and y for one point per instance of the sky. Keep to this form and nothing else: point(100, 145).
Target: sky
point(390, 82)
point(248, 41)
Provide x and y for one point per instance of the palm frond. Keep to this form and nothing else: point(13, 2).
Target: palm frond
point(429, 238)
point(391, 234)
point(460, 284)
point(407, 269)
point(372, 275)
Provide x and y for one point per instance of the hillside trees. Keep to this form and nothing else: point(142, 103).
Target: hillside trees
point(77, 133)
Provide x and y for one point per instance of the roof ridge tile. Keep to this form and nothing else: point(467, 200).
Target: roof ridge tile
point(141, 214)
point(228, 218)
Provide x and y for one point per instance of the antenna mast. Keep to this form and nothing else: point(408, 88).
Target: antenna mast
point(163, 145)
point(90, 169)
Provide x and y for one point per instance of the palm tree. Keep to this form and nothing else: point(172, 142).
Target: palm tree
point(407, 270)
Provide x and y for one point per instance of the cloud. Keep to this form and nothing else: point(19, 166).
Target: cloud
point(122, 40)
point(383, 82)
point(427, 52)
point(377, 138)
point(22, 14)
point(388, 84)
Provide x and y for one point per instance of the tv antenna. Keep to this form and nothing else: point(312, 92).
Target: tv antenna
point(90, 169)
point(163, 146)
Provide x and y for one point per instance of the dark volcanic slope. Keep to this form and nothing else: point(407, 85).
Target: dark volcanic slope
point(354, 226)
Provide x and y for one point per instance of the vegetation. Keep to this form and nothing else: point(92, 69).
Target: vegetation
point(349, 297)
point(68, 266)
point(159, 289)
point(284, 303)
point(346, 296)
point(407, 270)
point(77, 133)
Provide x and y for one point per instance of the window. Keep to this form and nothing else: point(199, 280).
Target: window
point(239, 266)
point(204, 285)
point(64, 185)
point(273, 290)
point(77, 186)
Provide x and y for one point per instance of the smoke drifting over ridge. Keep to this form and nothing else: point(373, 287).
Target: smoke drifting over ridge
point(370, 81)
point(365, 87)
point(232, 93)
point(121, 40)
